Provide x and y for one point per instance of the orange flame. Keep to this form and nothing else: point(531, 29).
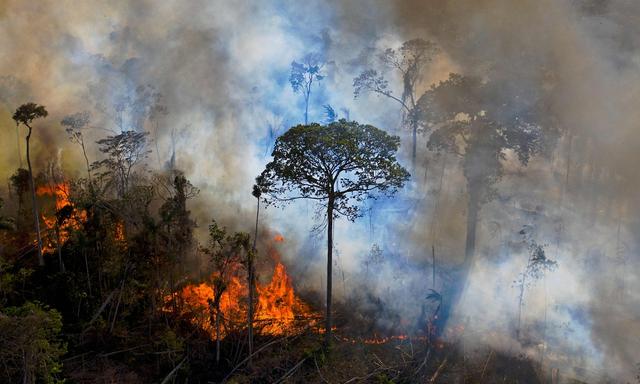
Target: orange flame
point(277, 310)
point(61, 193)
point(278, 304)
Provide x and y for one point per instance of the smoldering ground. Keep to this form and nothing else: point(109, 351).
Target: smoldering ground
point(222, 72)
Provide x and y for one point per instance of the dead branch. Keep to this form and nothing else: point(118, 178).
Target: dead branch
point(291, 371)
point(318, 368)
point(424, 362)
point(102, 307)
point(282, 339)
point(486, 363)
point(439, 370)
point(173, 371)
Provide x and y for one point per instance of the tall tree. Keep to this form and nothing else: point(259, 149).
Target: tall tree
point(75, 125)
point(409, 62)
point(25, 114)
point(338, 165)
point(302, 77)
point(474, 124)
point(251, 270)
point(124, 152)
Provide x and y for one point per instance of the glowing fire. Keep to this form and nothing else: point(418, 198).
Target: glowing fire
point(278, 304)
point(277, 309)
point(55, 234)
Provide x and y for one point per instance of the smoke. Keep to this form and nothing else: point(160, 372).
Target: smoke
point(222, 72)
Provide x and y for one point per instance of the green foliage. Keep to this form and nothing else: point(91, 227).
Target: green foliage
point(10, 279)
point(28, 112)
point(75, 124)
point(226, 251)
point(20, 181)
point(346, 162)
point(370, 81)
point(124, 151)
point(31, 349)
point(6, 223)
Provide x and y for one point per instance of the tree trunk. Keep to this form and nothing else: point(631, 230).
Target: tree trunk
point(34, 204)
point(218, 332)
point(251, 273)
point(520, 300)
point(414, 144)
point(329, 271)
point(454, 293)
point(86, 160)
point(86, 266)
point(306, 108)
point(59, 246)
point(472, 221)
point(18, 144)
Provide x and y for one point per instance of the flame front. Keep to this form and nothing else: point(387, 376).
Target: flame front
point(277, 310)
point(278, 304)
point(58, 233)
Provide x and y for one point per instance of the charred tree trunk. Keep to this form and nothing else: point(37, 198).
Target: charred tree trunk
point(18, 144)
point(329, 268)
point(34, 203)
point(86, 160)
point(452, 298)
point(251, 276)
point(218, 332)
point(86, 266)
point(59, 248)
point(472, 221)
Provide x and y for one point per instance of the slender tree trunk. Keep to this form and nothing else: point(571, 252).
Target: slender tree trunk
point(329, 271)
point(568, 169)
point(18, 144)
point(414, 144)
point(472, 221)
point(86, 266)
point(155, 142)
point(59, 246)
point(455, 292)
point(306, 108)
point(252, 282)
point(36, 219)
point(433, 266)
point(218, 332)
point(86, 158)
point(520, 300)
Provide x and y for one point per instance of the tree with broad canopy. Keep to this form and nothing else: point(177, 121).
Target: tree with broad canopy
point(339, 165)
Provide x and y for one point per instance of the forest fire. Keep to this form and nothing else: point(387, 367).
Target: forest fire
point(278, 310)
point(64, 219)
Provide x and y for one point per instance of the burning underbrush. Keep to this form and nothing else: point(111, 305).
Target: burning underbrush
point(61, 219)
point(277, 308)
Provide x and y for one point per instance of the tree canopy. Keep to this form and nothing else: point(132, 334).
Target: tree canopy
point(345, 160)
point(28, 112)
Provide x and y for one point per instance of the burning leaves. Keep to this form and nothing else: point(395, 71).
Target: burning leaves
point(277, 310)
point(65, 219)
